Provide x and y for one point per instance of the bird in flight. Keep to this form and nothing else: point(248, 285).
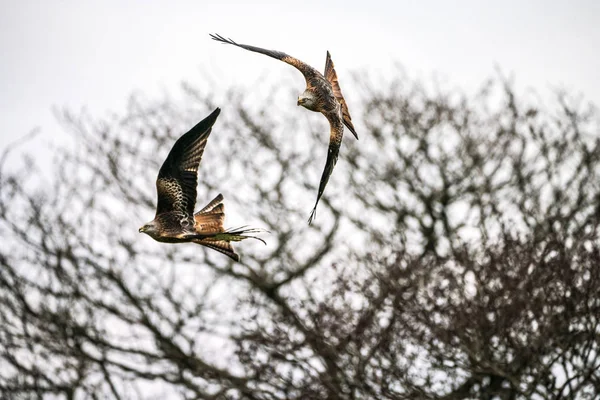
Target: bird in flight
point(175, 221)
point(322, 94)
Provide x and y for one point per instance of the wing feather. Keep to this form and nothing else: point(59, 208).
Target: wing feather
point(221, 246)
point(309, 72)
point(331, 76)
point(178, 176)
point(335, 141)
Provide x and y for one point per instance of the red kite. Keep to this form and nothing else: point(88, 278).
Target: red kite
point(175, 220)
point(322, 94)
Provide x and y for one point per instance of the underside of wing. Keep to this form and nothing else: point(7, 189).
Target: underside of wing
point(222, 246)
point(178, 176)
point(331, 76)
point(308, 71)
point(335, 141)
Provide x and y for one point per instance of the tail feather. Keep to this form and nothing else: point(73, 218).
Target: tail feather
point(210, 219)
point(239, 234)
point(219, 209)
point(212, 234)
point(349, 125)
point(331, 76)
point(211, 223)
point(214, 203)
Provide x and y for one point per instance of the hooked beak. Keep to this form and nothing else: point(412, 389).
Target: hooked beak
point(298, 103)
point(141, 230)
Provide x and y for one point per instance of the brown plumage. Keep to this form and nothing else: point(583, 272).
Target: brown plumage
point(175, 220)
point(322, 94)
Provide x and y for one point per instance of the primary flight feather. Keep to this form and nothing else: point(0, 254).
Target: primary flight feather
point(322, 94)
point(175, 220)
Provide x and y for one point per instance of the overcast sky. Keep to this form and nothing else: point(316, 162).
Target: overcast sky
point(94, 54)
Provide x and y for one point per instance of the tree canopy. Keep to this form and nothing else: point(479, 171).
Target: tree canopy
point(455, 254)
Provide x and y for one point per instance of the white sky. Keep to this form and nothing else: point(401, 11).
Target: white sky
point(94, 54)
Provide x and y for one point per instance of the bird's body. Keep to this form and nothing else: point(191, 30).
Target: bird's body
point(175, 221)
point(169, 228)
point(322, 94)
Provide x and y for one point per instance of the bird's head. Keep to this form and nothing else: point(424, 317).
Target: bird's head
point(149, 229)
point(307, 100)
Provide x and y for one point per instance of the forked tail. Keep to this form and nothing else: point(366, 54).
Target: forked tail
point(209, 227)
point(210, 219)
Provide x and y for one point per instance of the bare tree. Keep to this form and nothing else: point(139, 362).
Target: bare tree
point(455, 255)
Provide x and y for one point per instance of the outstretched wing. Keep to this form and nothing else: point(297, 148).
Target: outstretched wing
point(308, 71)
point(220, 241)
point(222, 246)
point(178, 176)
point(337, 92)
point(335, 141)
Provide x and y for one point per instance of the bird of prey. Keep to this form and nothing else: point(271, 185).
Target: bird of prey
point(322, 94)
point(175, 220)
